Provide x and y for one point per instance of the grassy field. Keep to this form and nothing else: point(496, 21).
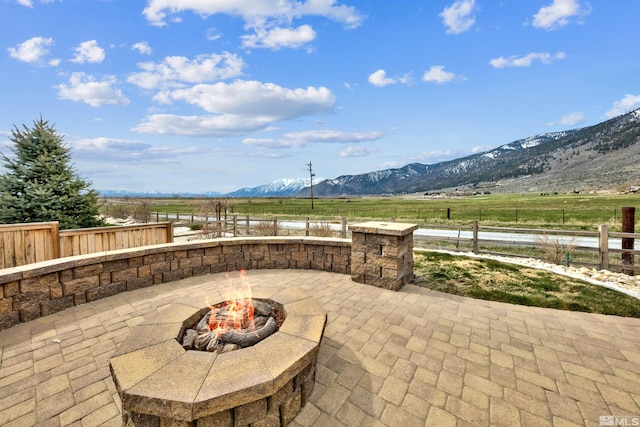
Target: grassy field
point(568, 211)
point(497, 281)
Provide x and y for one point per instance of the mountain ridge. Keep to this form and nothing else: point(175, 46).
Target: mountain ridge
point(601, 156)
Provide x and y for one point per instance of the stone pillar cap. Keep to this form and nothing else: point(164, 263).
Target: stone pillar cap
point(382, 227)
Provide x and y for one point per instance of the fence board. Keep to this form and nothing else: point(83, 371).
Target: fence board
point(28, 243)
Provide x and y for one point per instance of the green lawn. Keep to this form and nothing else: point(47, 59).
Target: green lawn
point(497, 281)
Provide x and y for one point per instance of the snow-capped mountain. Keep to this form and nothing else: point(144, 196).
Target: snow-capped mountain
point(280, 188)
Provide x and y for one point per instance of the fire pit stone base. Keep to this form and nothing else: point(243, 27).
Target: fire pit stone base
point(161, 384)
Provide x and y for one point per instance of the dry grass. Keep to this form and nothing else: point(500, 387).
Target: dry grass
point(266, 228)
point(320, 229)
point(555, 249)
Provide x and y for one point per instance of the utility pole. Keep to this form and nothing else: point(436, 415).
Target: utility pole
point(311, 175)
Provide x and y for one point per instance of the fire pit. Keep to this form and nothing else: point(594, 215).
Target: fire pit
point(266, 383)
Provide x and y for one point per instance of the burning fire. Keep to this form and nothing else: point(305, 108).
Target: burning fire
point(238, 322)
point(237, 312)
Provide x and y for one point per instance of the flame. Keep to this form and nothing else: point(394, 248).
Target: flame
point(235, 313)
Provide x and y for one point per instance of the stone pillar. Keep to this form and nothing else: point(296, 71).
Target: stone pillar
point(382, 253)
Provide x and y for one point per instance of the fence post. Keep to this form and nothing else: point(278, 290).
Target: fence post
point(306, 226)
point(55, 236)
point(628, 223)
point(603, 246)
point(235, 225)
point(344, 228)
point(475, 236)
point(247, 223)
point(275, 226)
point(169, 232)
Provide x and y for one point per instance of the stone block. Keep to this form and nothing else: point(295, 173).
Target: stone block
point(55, 305)
point(9, 319)
point(105, 291)
point(11, 288)
point(29, 312)
point(154, 258)
point(221, 419)
point(56, 291)
point(190, 263)
point(116, 265)
point(6, 305)
point(38, 283)
point(249, 413)
point(125, 274)
point(159, 267)
point(80, 285)
point(87, 270)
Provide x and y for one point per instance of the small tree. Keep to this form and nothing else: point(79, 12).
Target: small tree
point(40, 183)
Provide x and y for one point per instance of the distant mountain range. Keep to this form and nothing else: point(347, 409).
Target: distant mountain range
point(280, 188)
point(603, 156)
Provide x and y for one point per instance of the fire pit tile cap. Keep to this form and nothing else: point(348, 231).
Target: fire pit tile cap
point(308, 327)
point(227, 385)
point(305, 307)
point(174, 313)
point(147, 335)
point(285, 356)
point(171, 391)
point(131, 368)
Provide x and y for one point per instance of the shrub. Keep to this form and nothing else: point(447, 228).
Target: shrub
point(555, 249)
point(266, 228)
point(320, 229)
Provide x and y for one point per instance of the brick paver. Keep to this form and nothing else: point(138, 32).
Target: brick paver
point(413, 358)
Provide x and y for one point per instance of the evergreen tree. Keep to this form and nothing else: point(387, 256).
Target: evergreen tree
point(40, 184)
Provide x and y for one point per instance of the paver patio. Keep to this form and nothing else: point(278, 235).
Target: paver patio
point(410, 358)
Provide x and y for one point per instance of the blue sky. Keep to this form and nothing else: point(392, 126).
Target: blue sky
point(216, 95)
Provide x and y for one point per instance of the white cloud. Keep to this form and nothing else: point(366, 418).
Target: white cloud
point(570, 119)
point(269, 143)
point(332, 136)
point(557, 14)
point(31, 50)
point(458, 17)
point(380, 79)
point(173, 71)
point(85, 88)
point(300, 139)
point(252, 11)
point(237, 108)
point(123, 150)
point(357, 151)
point(253, 98)
point(527, 60)
point(142, 47)
point(626, 104)
point(29, 3)
point(89, 51)
point(437, 74)
point(276, 38)
point(221, 125)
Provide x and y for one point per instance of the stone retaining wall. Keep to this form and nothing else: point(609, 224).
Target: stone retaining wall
point(39, 289)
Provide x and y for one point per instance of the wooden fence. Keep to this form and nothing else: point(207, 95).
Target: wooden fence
point(28, 243)
point(562, 245)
